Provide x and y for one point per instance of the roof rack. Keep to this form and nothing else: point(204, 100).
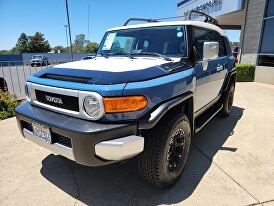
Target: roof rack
point(140, 19)
point(208, 19)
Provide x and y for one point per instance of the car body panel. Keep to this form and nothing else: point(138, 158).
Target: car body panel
point(211, 79)
point(104, 90)
point(156, 91)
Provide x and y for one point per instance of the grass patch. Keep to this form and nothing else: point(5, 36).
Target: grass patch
point(7, 105)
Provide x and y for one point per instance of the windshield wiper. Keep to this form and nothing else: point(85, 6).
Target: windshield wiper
point(153, 54)
point(103, 54)
point(129, 55)
point(107, 54)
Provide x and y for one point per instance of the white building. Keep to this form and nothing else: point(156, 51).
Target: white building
point(255, 19)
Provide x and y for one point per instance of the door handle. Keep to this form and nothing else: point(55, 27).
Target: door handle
point(219, 68)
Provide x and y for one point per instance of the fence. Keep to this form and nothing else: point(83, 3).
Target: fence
point(15, 74)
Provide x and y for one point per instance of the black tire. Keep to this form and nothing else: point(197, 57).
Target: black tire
point(3, 85)
point(228, 101)
point(32, 65)
point(162, 161)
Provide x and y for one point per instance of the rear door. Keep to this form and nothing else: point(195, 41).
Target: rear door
point(209, 80)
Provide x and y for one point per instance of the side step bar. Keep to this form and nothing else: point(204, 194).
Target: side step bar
point(204, 118)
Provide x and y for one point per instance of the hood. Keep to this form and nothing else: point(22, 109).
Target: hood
point(112, 70)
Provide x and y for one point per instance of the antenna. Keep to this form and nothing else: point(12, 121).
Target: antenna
point(88, 21)
point(66, 1)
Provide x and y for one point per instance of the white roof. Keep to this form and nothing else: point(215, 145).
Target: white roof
point(173, 23)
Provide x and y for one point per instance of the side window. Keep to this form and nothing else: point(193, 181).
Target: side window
point(202, 35)
point(228, 48)
point(217, 37)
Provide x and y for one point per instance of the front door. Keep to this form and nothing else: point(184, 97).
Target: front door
point(210, 79)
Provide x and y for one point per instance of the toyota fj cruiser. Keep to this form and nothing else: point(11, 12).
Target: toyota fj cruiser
point(148, 90)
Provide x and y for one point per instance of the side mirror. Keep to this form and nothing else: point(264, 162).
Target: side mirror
point(210, 52)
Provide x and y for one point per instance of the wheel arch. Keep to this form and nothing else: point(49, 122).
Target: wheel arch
point(231, 78)
point(183, 103)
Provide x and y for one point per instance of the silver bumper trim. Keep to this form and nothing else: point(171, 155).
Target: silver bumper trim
point(120, 149)
point(55, 148)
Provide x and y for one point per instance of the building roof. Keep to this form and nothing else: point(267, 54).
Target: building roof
point(173, 23)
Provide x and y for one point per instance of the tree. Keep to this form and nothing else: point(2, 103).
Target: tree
point(234, 44)
point(22, 44)
point(79, 43)
point(3, 52)
point(80, 40)
point(91, 47)
point(37, 43)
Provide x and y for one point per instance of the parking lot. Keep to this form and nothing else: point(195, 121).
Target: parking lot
point(231, 163)
point(15, 75)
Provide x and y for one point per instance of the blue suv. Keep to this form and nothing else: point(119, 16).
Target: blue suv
point(148, 90)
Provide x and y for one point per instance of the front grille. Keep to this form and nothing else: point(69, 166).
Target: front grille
point(62, 140)
point(67, 102)
point(83, 80)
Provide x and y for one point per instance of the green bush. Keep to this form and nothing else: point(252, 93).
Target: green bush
point(7, 105)
point(245, 72)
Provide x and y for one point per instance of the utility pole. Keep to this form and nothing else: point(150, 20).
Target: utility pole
point(69, 29)
point(88, 21)
point(66, 27)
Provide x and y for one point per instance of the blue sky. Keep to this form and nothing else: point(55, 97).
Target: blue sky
point(49, 17)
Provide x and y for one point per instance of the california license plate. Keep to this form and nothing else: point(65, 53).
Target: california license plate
point(42, 132)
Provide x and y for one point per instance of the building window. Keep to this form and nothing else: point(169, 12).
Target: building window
point(265, 60)
point(270, 8)
point(267, 45)
point(266, 51)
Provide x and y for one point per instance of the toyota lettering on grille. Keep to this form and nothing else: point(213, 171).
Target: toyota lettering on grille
point(54, 99)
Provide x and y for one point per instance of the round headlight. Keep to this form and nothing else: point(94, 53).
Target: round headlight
point(94, 107)
point(27, 93)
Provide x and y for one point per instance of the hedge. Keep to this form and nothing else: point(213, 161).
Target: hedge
point(245, 72)
point(7, 105)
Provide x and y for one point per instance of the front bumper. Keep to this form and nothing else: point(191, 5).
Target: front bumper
point(87, 143)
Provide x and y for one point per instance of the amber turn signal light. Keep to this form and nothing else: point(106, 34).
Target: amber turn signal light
point(124, 104)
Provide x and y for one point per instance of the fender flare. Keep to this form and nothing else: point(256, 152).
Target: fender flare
point(231, 75)
point(155, 116)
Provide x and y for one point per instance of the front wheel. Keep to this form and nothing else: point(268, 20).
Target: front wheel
point(166, 150)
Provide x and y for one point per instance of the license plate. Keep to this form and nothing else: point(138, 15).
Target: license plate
point(42, 132)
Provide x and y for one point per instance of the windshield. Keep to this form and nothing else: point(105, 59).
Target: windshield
point(165, 40)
